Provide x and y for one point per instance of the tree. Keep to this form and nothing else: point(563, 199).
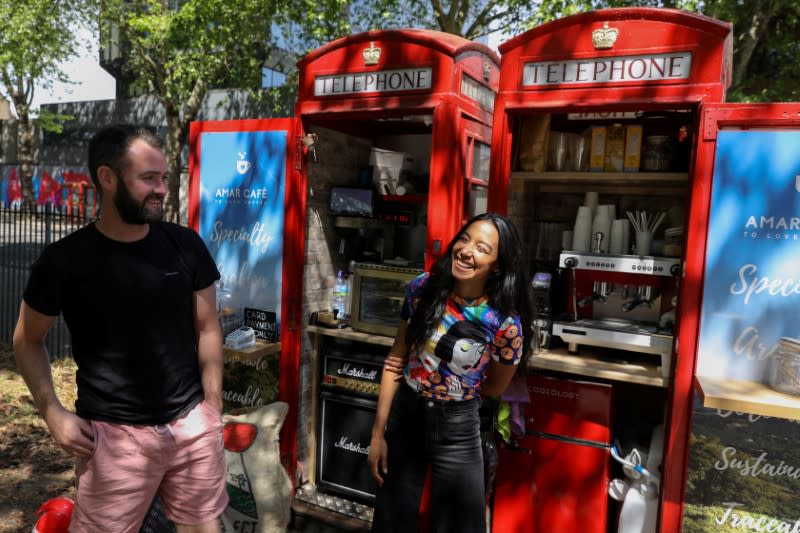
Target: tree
point(37, 37)
point(467, 18)
point(765, 40)
point(765, 47)
point(765, 34)
point(181, 52)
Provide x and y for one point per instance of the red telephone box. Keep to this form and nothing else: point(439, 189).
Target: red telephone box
point(427, 93)
point(397, 122)
point(614, 104)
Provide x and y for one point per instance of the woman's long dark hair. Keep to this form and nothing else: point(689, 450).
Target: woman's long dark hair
point(509, 288)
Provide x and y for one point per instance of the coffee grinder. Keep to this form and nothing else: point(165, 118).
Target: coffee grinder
point(547, 287)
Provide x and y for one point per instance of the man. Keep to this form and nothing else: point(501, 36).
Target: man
point(138, 297)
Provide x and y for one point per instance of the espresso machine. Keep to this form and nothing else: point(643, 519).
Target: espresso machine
point(620, 302)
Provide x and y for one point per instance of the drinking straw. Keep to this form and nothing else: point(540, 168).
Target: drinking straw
point(633, 221)
point(657, 223)
point(641, 221)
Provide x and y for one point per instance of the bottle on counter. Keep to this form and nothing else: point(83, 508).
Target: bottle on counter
point(340, 295)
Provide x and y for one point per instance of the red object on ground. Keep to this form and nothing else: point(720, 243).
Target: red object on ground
point(54, 516)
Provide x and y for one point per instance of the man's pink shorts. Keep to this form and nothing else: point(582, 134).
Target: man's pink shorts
point(183, 461)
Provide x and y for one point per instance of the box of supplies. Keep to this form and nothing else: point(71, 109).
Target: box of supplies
point(388, 167)
point(597, 151)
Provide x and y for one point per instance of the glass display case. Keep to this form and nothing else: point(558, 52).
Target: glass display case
point(378, 294)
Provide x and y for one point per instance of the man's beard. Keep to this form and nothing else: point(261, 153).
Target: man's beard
point(132, 212)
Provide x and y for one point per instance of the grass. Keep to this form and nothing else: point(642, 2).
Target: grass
point(33, 468)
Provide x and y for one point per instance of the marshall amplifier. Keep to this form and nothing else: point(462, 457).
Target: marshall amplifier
point(352, 372)
point(344, 432)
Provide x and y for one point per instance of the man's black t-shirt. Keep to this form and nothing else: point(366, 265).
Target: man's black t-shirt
point(129, 308)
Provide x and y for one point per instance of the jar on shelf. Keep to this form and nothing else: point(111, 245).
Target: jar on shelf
point(673, 241)
point(227, 311)
point(784, 366)
point(657, 153)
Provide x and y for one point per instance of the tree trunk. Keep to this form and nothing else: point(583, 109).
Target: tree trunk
point(177, 134)
point(25, 136)
point(175, 139)
point(749, 38)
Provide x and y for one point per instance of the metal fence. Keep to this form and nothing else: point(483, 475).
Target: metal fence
point(23, 236)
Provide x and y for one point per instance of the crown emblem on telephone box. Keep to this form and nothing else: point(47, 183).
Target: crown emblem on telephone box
point(371, 55)
point(605, 37)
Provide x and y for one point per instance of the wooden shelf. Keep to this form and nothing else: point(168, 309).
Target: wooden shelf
point(746, 397)
point(405, 198)
point(659, 183)
point(620, 178)
point(257, 351)
point(591, 362)
point(350, 334)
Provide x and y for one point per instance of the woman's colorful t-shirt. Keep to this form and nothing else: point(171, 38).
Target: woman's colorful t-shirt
point(452, 363)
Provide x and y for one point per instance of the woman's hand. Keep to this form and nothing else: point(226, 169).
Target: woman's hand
point(377, 459)
point(394, 363)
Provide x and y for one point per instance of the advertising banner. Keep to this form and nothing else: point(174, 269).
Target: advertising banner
point(241, 220)
point(241, 216)
point(751, 292)
point(743, 474)
point(744, 469)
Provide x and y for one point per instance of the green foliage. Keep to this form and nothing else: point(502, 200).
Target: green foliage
point(766, 34)
point(467, 18)
point(207, 43)
point(766, 37)
point(35, 39)
point(182, 52)
point(52, 122)
point(37, 36)
point(34, 42)
point(304, 25)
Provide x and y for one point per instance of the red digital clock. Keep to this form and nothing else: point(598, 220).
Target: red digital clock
point(396, 218)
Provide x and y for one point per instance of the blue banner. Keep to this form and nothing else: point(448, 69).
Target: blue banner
point(241, 215)
point(751, 293)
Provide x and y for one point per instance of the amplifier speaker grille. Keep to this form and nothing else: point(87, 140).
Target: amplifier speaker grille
point(344, 432)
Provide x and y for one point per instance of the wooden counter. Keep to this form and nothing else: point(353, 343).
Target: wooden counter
point(350, 334)
point(747, 397)
point(594, 362)
point(257, 351)
point(591, 362)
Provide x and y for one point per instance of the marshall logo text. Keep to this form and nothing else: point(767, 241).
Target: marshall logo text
point(358, 373)
point(354, 447)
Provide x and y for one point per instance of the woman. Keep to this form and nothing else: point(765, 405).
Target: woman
point(465, 329)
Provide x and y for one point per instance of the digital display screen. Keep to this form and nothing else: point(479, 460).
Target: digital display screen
point(351, 201)
point(541, 280)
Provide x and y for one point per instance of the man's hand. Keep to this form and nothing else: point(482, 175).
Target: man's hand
point(72, 432)
point(377, 459)
point(215, 401)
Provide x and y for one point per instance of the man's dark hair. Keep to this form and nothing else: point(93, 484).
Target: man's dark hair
point(109, 147)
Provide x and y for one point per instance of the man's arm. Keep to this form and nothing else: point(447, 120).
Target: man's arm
point(71, 432)
point(209, 344)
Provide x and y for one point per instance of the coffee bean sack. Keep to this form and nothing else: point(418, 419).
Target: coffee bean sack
point(258, 486)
